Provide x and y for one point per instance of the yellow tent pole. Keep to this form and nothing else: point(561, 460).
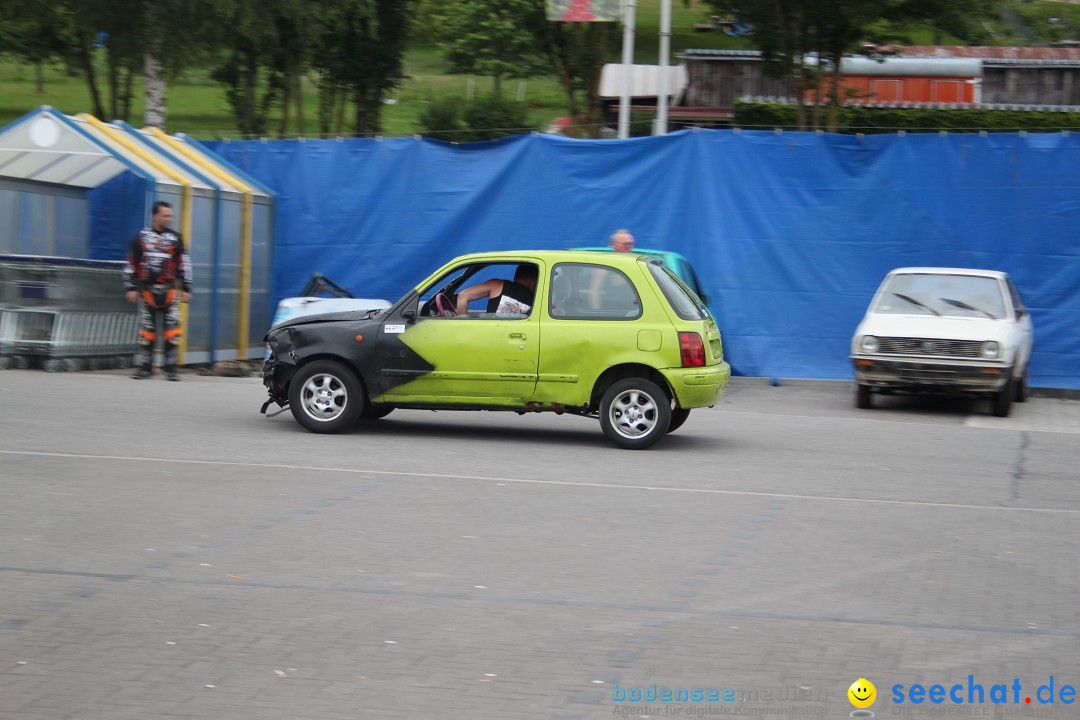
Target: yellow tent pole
point(185, 211)
point(246, 231)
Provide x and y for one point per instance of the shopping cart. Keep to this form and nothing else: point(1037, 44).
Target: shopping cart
point(64, 314)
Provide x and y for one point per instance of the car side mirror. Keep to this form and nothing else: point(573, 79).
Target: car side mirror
point(409, 314)
point(1020, 314)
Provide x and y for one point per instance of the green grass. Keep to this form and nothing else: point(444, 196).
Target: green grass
point(1052, 20)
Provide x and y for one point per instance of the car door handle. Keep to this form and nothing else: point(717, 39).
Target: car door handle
point(517, 336)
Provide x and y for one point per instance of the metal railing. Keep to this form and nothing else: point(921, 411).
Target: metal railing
point(64, 314)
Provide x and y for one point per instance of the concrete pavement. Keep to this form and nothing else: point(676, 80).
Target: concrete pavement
point(165, 551)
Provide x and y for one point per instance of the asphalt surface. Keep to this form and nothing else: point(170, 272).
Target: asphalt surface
point(167, 552)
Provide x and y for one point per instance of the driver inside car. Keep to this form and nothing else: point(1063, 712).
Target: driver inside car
point(505, 297)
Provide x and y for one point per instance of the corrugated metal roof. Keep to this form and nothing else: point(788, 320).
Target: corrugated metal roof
point(1009, 62)
point(162, 169)
point(644, 80)
point(747, 54)
point(163, 150)
point(47, 146)
point(991, 52)
point(989, 56)
point(50, 147)
point(930, 105)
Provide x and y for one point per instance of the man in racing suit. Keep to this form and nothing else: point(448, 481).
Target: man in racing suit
point(157, 267)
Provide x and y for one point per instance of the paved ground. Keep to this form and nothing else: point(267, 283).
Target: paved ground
point(167, 552)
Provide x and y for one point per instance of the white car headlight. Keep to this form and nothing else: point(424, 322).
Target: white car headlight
point(991, 350)
point(869, 344)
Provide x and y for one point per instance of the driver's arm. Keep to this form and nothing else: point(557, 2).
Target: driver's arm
point(489, 289)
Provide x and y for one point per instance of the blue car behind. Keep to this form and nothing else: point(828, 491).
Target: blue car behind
point(679, 264)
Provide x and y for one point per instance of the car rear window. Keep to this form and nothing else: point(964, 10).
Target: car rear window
point(681, 298)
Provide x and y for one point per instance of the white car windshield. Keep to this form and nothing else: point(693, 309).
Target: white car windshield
point(942, 295)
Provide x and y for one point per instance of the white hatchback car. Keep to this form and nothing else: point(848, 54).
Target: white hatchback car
point(944, 330)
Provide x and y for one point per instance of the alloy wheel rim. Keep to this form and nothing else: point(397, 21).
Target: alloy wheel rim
point(323, 397)
point(633, 414)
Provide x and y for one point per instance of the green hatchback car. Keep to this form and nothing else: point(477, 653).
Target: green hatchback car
point(614, 336)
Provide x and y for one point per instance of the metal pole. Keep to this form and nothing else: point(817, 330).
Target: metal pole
point(665, 79)
point(627, 67)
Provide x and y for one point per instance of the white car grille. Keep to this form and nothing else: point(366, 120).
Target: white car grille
point(930, 346)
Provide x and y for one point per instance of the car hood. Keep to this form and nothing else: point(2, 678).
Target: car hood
point(928, 326)
point(347, 316)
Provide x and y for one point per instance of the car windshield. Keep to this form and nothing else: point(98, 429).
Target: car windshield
point(942, 295)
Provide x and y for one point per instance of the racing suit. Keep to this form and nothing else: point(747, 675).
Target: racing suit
point(158, 267)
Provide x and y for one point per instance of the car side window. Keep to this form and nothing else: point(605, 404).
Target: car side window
point(1018, 304)
point(428, 304)
point(442, 299)
point(592, 292)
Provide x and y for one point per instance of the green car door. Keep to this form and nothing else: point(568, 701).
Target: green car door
point(477, 359)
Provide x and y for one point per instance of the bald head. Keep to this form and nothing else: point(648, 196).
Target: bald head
point(622, 241)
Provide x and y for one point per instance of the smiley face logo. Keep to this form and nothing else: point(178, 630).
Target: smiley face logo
point(862, 693)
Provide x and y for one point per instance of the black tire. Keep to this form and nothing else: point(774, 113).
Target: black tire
point(864, 400)
point(325, 396)
point(635, 413)
point(678, 417)
point(375, 412)
point(1021, 394)
point(1003, 399)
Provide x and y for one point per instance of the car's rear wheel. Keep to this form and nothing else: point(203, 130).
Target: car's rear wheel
point(635, 413)
point(863, 397)
point(1003, 399)
point(678, 417)
point(325, 396)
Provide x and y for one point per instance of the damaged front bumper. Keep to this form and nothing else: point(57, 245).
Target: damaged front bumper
point(277, 370)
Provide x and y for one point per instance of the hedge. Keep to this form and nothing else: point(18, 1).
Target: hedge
point(869, 119)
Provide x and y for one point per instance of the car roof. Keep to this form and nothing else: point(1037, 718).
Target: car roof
point(554, 256)
point(636, 251)
point(947, 271)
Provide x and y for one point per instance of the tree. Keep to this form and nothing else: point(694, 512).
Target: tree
point(166, 54)
point(359, 56)
point(576, 53)
point(34, 31)
point(963, 19)
point(252, 41)
point(488, 37)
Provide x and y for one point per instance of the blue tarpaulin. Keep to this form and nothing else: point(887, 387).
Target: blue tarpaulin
point(790, 233)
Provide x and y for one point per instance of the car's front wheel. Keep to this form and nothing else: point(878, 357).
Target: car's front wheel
point(863, 397)
point(325, 396)
point(1021, 392)
point(1003, 399)
point(375, 412)
point(635, 413)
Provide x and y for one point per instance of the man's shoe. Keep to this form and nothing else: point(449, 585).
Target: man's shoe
point(172, 374)
point(141, 374)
